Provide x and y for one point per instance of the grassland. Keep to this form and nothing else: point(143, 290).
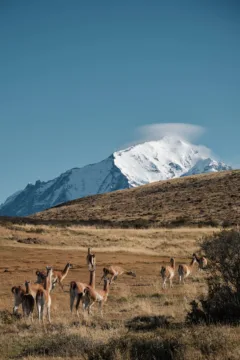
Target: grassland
point(206, 199)
point(141, 321)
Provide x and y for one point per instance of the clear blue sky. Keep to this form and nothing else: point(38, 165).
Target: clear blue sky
point(78, 77)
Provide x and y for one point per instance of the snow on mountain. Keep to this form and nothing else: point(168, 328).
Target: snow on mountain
point(207, 165)
point(137, 165)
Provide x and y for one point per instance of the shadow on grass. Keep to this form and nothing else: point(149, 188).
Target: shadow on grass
point(147, 323)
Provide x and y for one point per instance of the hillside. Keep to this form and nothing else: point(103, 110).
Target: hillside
point(207, 199)
point(167, 158)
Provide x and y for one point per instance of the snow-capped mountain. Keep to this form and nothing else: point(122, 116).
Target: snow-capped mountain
point(137, 165)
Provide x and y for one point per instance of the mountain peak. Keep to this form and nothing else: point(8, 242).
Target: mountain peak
point(139, 164)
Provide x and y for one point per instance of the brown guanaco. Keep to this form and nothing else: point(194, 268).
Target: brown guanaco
point(43, 298)
point(100, 296)
point(185, 270)
point(202, 262)
point(167, 273)
point(77, 290)
point(115, 271)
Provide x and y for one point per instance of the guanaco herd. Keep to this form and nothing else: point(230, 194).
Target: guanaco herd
point(39, 292)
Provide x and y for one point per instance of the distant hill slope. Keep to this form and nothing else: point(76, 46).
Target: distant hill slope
point(137, 165)
point(207, 199)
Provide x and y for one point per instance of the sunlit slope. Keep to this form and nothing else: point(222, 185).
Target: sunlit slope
point(212, 199)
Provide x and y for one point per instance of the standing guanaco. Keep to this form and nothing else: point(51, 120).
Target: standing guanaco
point(202, 262)
point(28, 302)
point(43, 298)
point(99, 296)
point(59, 276)
point(115, 271)
point(167, 273)
point(18, 293)
point(185, 270)
point(77, 290)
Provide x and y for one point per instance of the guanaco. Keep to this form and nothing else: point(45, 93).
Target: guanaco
point(99, 296)
point(59, 276)
point(77, 290)
point(28, 302)
point(33, 288)
point(18, 293)
point(185, 270)
point(167, 273)
point(22, 297)
point(91, 259)
point(43, 298)
point(115, 271)
point(202, 262)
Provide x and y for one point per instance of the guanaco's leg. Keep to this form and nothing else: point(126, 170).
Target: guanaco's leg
point(90, 307)
point(48, 313)
point(61, 285)
point(79, 296)
point(72, 298)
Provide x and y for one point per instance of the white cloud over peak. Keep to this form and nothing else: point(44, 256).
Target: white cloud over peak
point(184, 131)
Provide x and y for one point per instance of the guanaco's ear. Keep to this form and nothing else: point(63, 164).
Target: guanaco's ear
point(13, 289)
point(37, 272)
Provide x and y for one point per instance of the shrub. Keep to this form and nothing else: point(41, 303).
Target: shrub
point(223, 301)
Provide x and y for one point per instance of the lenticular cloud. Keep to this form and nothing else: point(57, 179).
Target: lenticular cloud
point(184, 131)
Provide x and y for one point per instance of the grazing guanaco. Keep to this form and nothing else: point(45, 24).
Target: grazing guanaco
point(77, 290)
point(115, 271)
point(91, 259)
point(18, 293)
point(167, 273)
point(100, 296)
point(59, 276)
point(43, 298)
point(185, 270)
point(202, 262)
point(28, 302)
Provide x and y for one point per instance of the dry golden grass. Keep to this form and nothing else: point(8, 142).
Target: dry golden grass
point(206, 199)
point(130, 299)
point(157, 242)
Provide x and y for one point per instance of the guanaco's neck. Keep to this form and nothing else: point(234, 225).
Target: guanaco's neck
point(192, 262)
point(48, 280)
point(106, 287)
point(27, 287)
point(172, 262)
point(92, 279)
point(65, 270)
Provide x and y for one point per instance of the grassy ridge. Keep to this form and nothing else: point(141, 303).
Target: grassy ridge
point(207, 199)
